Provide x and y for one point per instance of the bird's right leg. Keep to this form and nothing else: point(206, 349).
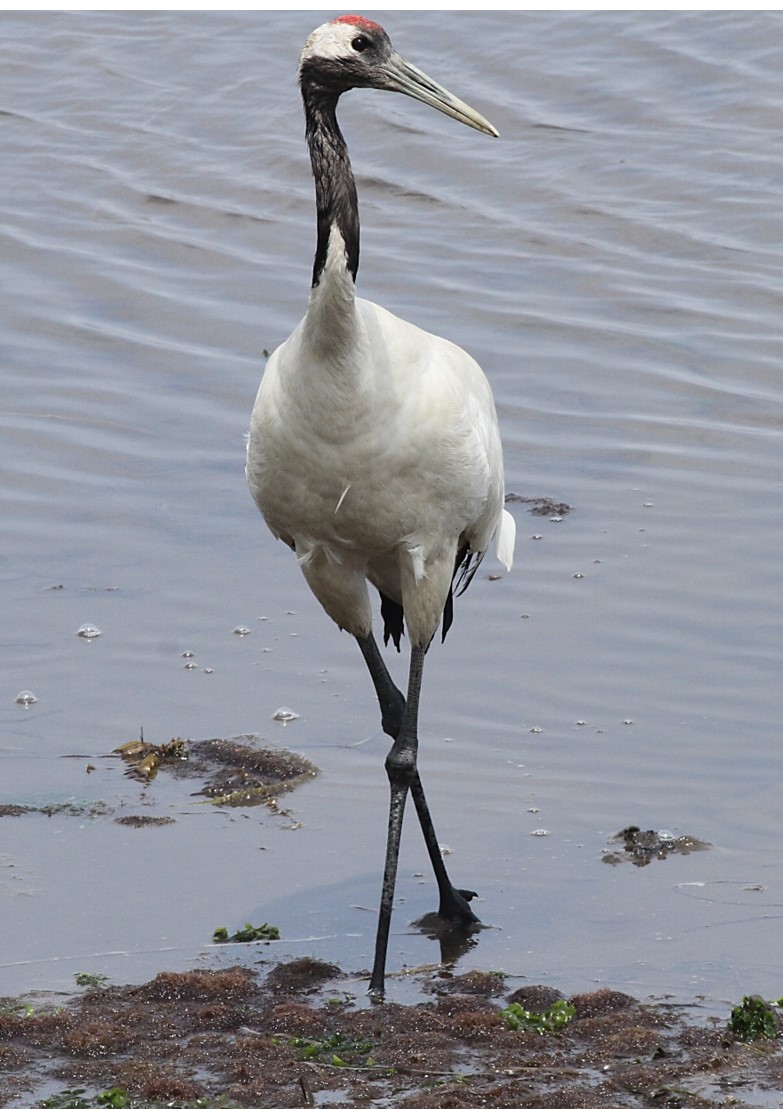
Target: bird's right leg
point(401, 770)
point(453, 903)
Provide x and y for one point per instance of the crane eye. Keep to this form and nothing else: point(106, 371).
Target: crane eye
point(360, 43)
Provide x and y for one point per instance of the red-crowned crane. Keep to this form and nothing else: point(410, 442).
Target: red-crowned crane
point(374, 450)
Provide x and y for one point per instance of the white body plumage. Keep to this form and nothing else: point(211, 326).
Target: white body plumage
point(376, 455)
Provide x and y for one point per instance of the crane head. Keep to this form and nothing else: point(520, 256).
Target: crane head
point(354, 52)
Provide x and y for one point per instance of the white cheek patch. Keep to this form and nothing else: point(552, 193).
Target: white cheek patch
point(331, 41)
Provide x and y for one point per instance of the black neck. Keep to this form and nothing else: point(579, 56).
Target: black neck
point(335, 188)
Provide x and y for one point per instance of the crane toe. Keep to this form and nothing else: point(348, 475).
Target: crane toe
point(454, 908)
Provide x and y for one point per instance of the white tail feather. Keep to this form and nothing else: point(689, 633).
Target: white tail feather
point(504, 539)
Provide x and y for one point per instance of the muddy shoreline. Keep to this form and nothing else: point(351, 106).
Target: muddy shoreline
point(298, 1035)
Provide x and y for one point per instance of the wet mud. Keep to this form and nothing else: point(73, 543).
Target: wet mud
point(302, 1033)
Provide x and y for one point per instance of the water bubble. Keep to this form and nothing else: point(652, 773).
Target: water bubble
point(191, 666)
point(539, 832)
point(208, 670)
point(187, 654)
point(26, 697)
point(578, 576)
point(88, 631)
point(285, 716)
point(240, 629)
point(536, 731)
point(536, 537)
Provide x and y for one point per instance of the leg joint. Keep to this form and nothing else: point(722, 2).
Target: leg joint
point(401, 765)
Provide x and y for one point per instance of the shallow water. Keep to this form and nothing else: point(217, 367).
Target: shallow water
point(614, 262)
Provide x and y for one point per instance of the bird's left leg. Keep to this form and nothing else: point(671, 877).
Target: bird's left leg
point(453, 905)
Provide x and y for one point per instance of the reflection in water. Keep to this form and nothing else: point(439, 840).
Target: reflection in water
point(454, 943)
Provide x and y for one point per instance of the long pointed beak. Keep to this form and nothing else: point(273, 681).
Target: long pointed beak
point(401, 76)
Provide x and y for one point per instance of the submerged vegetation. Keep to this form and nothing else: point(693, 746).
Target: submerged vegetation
point(557, 1016)
point(93, 981)
point(641, 847)
point(337, 1049)
point(756, 1019)
point(233, 773)
point(144, 759)
point(249, 934)
point(119, 1098)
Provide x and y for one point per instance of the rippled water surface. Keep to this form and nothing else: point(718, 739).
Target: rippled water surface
point(615, 263)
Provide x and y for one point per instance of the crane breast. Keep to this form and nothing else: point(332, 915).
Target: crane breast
point(394, 443)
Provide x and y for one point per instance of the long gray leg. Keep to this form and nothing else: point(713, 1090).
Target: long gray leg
point(401, 723)
point(453, 902)
point(400, 770)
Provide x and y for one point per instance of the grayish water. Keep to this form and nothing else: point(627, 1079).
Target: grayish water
point(615, 263)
